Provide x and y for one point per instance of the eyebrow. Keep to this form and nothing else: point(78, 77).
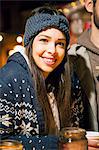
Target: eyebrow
point(50, 37)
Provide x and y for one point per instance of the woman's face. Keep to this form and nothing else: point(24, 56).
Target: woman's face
point(49, 49)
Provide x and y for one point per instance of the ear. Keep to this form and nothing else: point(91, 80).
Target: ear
point(89, 5)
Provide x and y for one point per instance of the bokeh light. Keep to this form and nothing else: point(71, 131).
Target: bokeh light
point(19, 39)
point(1, 38)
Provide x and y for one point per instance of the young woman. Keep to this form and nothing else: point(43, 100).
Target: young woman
point(39, 94)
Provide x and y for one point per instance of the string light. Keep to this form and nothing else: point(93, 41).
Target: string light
point(81, 1)
point(11, 52)
point(1, 38)
point(73, 4)
point(19, 39)
point(66, 10)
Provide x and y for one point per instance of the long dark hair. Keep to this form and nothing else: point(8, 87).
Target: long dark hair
point(94, 1)
point(57, 82)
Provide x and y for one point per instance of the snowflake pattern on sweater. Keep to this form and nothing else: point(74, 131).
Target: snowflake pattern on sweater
point(21, 117)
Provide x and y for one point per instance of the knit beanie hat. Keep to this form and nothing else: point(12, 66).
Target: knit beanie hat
point(39, 22)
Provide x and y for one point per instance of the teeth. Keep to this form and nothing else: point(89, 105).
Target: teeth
point(49, 60)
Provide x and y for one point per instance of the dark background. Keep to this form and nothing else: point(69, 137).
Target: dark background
point(14, 12)
point(13, 16)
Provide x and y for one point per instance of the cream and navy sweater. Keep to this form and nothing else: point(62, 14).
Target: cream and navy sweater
point(21, 115)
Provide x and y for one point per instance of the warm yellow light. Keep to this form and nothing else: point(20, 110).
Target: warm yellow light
point(81, 1)
point(11, 52)
point(73, 4)
point(66, 10)
point(19, 39)
point(1, 38)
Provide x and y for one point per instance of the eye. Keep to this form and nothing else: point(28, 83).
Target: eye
point(62, 44)
point(44, 40)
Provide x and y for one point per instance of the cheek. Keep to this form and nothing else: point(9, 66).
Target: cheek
point(61, 54)
point(37, 51)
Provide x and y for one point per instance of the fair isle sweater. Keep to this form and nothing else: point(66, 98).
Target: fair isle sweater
point(21, 115)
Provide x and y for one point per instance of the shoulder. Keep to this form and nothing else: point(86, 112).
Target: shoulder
point(76, 50)
point(16, 64)
point(72, 50)
point(15, 67)
point(78, 55)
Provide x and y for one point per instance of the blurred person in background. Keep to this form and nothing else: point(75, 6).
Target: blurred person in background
point(85, 56)
point(39, 93)
point(76, 27)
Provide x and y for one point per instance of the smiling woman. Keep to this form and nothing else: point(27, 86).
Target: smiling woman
point(49, 50)
point(39, 92)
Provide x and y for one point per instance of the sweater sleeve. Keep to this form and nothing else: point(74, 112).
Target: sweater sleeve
point(9, 128)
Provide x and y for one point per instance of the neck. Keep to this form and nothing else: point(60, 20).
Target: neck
point(95, 36)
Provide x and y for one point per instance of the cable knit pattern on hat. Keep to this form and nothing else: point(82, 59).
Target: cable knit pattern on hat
point(37, 23)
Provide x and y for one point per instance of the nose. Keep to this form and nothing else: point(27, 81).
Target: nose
point(51, 48)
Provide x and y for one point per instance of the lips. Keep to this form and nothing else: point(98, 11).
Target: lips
point(49, 61)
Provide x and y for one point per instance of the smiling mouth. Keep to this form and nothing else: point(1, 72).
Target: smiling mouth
point(49, 61)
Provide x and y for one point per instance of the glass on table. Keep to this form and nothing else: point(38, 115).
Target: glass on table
point(93, 139)
point(10, 145)
point(73, 138)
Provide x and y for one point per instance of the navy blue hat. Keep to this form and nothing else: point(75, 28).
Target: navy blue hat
point(39, 22)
